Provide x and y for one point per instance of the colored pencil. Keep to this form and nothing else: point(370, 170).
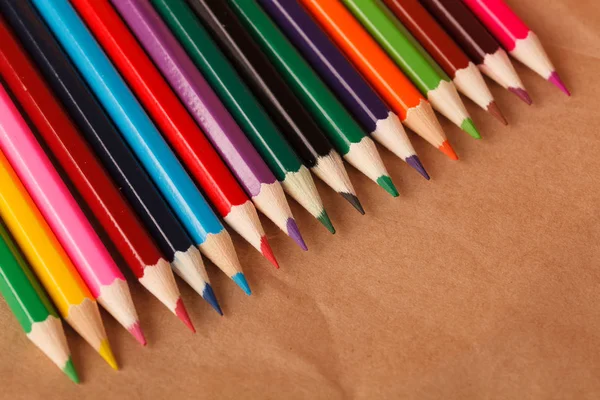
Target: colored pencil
point(176, 124)
point(345, 133)
point(219, 126)
point(49, 261)
point(406, 52)
point(478, 43)
point(381, 72)
point(67, 220)
point(132, 241)
point(343, 79)
point(106, 141)
point(277, 98)
point(516, 37)
point(243, 106)
point(31, 307)
point(140, 133)
point(465, 75)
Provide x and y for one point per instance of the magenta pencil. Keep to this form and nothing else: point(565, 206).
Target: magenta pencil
point(516, 37)
point(66, 219)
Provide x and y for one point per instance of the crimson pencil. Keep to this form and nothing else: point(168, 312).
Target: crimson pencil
point(88, 176)
point(176, 124)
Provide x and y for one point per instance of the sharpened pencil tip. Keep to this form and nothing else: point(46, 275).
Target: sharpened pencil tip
point(469, 126)
point(240, 280)
point(324, 219)
point(183, 315)
point(415, 162)
point(493, 109)
point(386, 182)
point(106, 352)
point(522, 94)
point(209, 295)
point(267, 251)
point(556, 81)
point(136, 331)
point(352, 199)
point(448, 150)
point(70, 371)
point(294, 232)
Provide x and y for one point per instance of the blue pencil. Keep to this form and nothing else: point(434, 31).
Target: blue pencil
point(343, 79)
point(143, 137)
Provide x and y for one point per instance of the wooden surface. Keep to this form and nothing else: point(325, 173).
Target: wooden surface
point(481, 284)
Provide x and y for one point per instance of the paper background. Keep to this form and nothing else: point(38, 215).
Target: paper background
point(481, 284)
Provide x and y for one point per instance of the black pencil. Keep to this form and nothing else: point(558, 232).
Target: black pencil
point(278, 99)
point(108, 145)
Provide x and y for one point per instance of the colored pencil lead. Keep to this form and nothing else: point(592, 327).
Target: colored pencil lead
point(494, 110)
point(448, 150)
point(209, 296)
point(137, 333)
point(265, 249)
point(469, 127)
point(183, 315)
point(354, 201)
point(70, 371)
point(324, 219)
point(415, 162)
point(556, 81)
point(294, 232)
point(241, 281)
point(106, 352)
point(521, 94)
point(386, 183)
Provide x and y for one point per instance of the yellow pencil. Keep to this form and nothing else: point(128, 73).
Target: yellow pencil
point(50, 262)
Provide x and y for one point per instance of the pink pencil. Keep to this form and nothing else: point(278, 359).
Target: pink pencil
point(61, 211)
point(520, 41)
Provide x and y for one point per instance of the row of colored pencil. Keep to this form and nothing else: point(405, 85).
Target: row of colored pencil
point(166, 117)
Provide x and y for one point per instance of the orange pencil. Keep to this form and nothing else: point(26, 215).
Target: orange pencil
point(383, 74)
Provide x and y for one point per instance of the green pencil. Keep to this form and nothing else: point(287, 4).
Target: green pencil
point(343, 131)
point(414, 60)
point(243, 106)
point(31, 306)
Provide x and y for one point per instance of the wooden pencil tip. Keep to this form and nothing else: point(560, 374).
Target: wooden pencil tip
point(493, 109)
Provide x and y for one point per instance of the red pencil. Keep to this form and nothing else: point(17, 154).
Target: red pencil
point(176, 124)
point(88, 176)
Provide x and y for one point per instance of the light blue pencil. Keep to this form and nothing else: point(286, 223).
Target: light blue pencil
point(143, 137)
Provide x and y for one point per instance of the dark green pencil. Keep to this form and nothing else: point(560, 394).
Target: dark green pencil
point(31, 306)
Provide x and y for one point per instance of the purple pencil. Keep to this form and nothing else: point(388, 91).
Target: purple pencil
point(342, 77)
point(211, 115)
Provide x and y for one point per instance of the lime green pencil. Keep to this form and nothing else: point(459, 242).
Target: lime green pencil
point(343, 131)
point(416, 63)
point(31, 306)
